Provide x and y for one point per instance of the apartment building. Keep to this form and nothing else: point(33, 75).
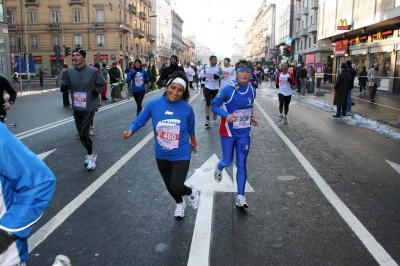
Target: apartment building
point(5, 55)
point(109, 31)
point(177, 43)
point(161, 27)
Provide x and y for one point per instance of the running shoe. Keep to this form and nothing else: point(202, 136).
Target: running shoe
point(217, 174)
point(62, 260)
point(180, 209)
point(280, 118)
point(241, 202)
point(214, 116)
point(208, 125)
point(194, 198)
point(91, 159)
point(91, 131)
point(285, 119)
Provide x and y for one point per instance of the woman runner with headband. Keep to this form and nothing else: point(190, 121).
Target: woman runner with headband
point(234, 103)
point(173, 124)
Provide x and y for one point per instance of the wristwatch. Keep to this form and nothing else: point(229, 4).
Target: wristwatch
point(11, 102)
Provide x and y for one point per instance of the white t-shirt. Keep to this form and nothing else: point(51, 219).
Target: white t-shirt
point(211, 83)
point(189, 73)
point(285, 87)
point(199, 69)
point(229, 75)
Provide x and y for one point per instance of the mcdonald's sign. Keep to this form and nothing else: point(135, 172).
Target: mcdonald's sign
point(341, 48)
point(342, 25)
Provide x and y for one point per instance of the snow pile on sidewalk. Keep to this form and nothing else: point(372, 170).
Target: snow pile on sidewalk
point(355, 120)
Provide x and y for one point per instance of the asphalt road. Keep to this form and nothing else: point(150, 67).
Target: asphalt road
point(324, 193)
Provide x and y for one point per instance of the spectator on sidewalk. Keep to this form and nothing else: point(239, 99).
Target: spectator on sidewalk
point(66, 102)
point(104, 73)
point(362, 80)
point(298, 78)
point(329, 73)
point(374, 76)
point(303, 78)
point(352, 72)
point(342, 87)
point(41, 75)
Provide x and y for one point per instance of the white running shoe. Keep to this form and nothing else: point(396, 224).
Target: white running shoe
point(91, 131)
point(285, 119)
point(62, 260)
point(280, 118)
point(208, 124)
point(241, 202)
point(217, 173)
point(87, 159)
point(91, 161)
point(180, 209)
point(195, 197)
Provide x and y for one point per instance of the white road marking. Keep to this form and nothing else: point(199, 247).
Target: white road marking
point(394, 165)
point(204, 180)
point(374, 248)
point(61, 216)
point(45, 154)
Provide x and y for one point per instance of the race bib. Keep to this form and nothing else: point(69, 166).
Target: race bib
point(210, 77)
point(139, 81)
point(80, 99)
point(243, 119)
point(168, 135)
point(226, 75)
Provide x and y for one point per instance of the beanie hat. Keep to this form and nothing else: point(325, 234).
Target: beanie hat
point(115, 63)
point(174, 56)
point(138, 60)
point(343, 65)
point(80, 50)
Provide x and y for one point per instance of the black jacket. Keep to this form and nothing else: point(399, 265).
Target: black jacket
point(6, 86)
point(169, 70)
point(114, 74)
point(352, 72)
point(342, 87)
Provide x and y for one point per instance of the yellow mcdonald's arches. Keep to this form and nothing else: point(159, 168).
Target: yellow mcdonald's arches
point(379, 35)
point(342, 22)
point(358, 40)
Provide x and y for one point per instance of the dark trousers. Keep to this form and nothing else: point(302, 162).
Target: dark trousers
point(174, 175)
point(372, 91)
point(191, 85)
point(318, 82)
point(362, 88)
point(139, 96)
point(341, 110)
point(83, 120)
point(41, 80)
point(66, 99)
point(3, 114)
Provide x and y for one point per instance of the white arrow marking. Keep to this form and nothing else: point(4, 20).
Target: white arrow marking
point(394, 165)
point(45, 154)
point(204, 180)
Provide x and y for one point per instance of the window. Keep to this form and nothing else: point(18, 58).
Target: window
point(125, 20)
point(126, 44)
point(309, 42)
point(32, 17)
point(11, 17)
point(315, 39)
point(297, 45)
point(55, 39)
point(54, 16)
point(78, 41)
point(301, 45)
point(119, 16)
point(77, 16)
point(1, 11)
point(13, 43)
point(100, 41)
point(99, 15)
point(34, 43)
point(311, 21)
point(120, 42)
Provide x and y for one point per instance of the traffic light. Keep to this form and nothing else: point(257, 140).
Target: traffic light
point(67, 51)
point(287, 50)
point(24, 56)
point(30, 56)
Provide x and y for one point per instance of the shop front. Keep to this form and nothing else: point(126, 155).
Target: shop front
point(383, 56)
point(396, 72)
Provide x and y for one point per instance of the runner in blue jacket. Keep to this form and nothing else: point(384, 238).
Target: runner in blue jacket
point(27, 186)
point(173, 125)
point(139, 79)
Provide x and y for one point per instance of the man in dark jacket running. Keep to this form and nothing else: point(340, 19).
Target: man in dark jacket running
point(342, 90)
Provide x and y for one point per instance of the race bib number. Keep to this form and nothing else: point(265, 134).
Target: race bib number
point(210, 77)
point(226, 75)
point(80, 99)
point(139, 81)
point(168, 135)
point(243, 119)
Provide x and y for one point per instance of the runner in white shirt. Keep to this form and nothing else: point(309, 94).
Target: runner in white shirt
point(284, 82)
point(229, 73)
point(189, 74)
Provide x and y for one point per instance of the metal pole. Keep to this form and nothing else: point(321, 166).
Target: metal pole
point(26, 44)
point(19, 58)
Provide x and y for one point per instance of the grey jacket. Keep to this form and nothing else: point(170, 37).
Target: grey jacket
point(374, 77)
point(81, 82)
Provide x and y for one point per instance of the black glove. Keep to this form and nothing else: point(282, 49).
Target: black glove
point(289, 80)
point(203, 79)
point(64, 88)
point(277, 86)
point(6, 239)
point(216, 76)
point(95, 93)
point(146, 81)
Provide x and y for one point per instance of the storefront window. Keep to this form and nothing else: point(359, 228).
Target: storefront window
point(383, 59)
point(360, 61)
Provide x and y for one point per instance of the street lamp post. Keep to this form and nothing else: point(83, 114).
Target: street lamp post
point(26, 43)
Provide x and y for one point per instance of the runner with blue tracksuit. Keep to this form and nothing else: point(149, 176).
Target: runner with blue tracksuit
point(139, 79)
point(173, 123)
point(234, 103)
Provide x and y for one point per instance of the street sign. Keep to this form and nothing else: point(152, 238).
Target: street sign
point(273, 50)
point(319, 67)
point(287, 40)
point(57, 49)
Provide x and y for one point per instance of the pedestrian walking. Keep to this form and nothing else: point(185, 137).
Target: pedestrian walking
point(234, 103)
point(41, 75)
point(362, 80)
point(173, 123)
point(65, 95)
point(85, 84)
point(352, 72)
point(284, 82)
point(27, 186)
point(342, 88)
point(374, 77)
point(5, 106)
point(139, 79)
point(303, 78)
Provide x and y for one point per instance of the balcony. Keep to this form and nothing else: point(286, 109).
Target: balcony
point(297, 16)
point(132, 9)
point(303, 32)
point(312, 28)
point(32, 2)
point(314, 4)
point(151, 38)
point(296, 35)
point(142, 15)
point(304, 11)
point(54, 26)
point(99, 25)
point(139, 33)
point(124, 27)
point(12, 26)
point(79, 2)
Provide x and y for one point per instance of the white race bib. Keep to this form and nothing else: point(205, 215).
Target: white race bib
point(168, 135)
point(210, 77)
point(80, 99)
point(226, 75)
point(243, 119)
point(138, 81)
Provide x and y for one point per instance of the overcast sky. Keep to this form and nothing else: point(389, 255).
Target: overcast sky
point(215, 22)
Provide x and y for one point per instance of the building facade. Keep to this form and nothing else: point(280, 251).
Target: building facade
point(177, 43)
point(283, 28)
point(189, 54)
point(162, 29)
point(364, 32)
point(6, 58)
point(238, 53)
point(203, 54)
point(113, 31)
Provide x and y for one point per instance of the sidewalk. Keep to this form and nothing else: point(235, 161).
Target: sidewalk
point(386, 110)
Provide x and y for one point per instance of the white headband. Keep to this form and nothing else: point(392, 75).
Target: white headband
point(179, 81)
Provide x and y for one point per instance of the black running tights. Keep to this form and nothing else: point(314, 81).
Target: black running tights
point(139, 96)
point(83, 119)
